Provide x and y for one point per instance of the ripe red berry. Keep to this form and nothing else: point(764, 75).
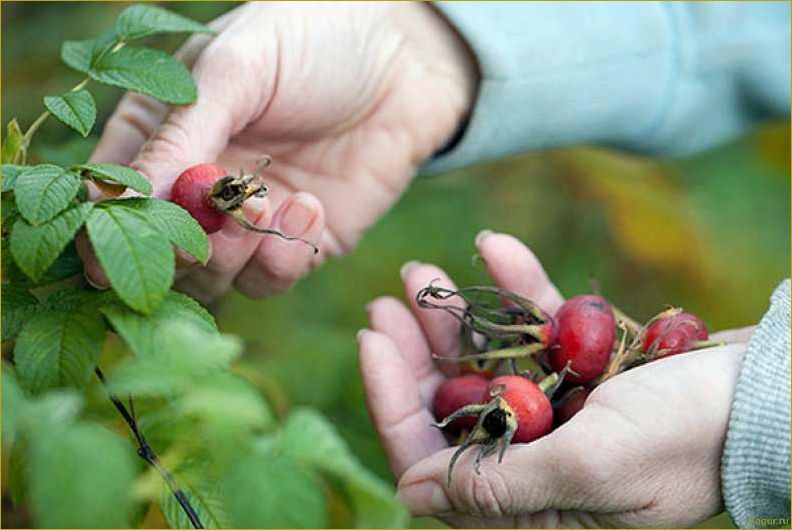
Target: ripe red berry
point(675, 334)
point(571, 404)
point(192, 192)
point(457, 392)
point(529, 405)
point(585, 331)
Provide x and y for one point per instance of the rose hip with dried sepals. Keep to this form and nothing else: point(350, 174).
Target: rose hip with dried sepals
point(571, 403)
point(674, 334)
point(458, 392)
point(519, 411)
point(209, 193)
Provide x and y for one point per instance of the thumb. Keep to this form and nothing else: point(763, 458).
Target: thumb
point(525, 482)
point(230, 94)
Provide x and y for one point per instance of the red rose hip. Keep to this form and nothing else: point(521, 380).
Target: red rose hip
point(674, 334)
point(192, 191)
point(586, 330)
point(457, 392)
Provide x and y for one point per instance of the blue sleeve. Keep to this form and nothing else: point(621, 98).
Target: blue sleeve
point(654, 77)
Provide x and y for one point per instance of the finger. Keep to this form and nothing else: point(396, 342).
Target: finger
point(441, 329)
point(525, 482)
point(734, 335)
point(92, 271)
point(394, 402)
point(136, 116)
point(515, 268)
point(233, 76)
point(231, 249)
point(391, 317)
point(277, 264)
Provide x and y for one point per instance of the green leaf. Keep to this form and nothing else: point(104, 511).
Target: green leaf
point(267, 491)
point(182, 353)
point(42, 192)
point(140, 331)
point(66, 265)
point(137, 259)
point(312, 440)
point(204, 492)
point(75, 109)
point(77, 54)
point(81, 477)
point(9, 173)
point(12, 144)
point(35, 248)
point(17, 306)
point(174, 221)
point(142, 20)
point(144, 70)
point(126, 176)
point(226, 402)
point(13, 403)
point(57, 348)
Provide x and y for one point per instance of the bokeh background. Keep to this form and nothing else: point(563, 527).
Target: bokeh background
point(709, 232)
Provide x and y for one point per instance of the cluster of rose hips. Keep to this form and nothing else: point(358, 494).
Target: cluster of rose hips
point(494, 403)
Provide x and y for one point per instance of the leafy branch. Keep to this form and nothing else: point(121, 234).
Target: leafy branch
point(147, 453)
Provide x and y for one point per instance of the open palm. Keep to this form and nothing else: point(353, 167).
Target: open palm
point(645, 450)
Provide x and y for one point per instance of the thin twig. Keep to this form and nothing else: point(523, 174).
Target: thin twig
point(147, 453)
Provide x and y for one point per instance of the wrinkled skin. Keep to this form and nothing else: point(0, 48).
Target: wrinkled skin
point(644, 452)
point(348, 99)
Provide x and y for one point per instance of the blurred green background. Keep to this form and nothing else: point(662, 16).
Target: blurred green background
point(709, 232)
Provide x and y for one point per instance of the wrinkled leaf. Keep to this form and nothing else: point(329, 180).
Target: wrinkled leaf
point(58, 348)
point(143, 70)
point(75, 109)
point(125, 176)
point(9, 173)
point(140, 332)
point(141, 20)
point(42, 192)
point(35, 248)
point(18, 305)
point(137, 259)
point(181, 228)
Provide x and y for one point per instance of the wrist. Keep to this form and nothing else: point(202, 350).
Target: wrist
point(445, 55)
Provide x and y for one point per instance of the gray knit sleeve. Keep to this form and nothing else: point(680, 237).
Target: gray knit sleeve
point(755, 468)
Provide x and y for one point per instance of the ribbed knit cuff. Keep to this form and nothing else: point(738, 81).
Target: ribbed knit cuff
point(755, 468)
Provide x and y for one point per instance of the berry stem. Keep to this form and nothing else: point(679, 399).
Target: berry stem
point(503, 353)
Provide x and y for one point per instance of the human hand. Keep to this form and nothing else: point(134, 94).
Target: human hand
point(644, 451)
point(347, 98)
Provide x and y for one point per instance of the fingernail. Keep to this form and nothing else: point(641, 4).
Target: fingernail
point(185, 260)
point(360, 333)
point(481, 236)
point(425, 498)
point(407, 267)
point(298, 216)
point(232, 229)
point(255, 208)
point(93, 283)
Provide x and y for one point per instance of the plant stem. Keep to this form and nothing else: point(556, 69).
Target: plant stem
point(147, 453)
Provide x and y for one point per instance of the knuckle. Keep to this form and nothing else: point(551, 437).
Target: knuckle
point(487, 494)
